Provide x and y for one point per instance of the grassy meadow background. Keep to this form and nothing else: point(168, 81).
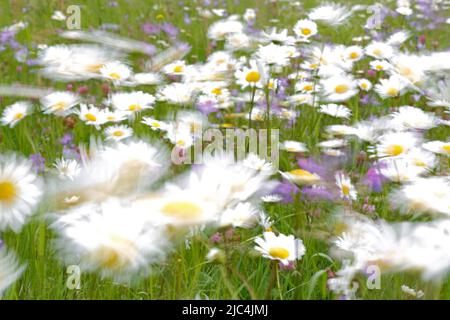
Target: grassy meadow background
point(185, 274)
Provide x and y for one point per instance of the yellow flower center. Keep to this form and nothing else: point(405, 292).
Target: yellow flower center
point(95, 67)
point(7, 191)
point(364, 85)
point(178, 69)
point(134, 107)
point(59, 106)
point(278, 252)
point(446, 148)
point(181, 143)
point(302, 173)
point(227, 125)
point(394, 150)
point(392, 92)
point(313, 65)
point(116, 256)
point(341, 88)
point(345, 190)
point(419, 163)
point(379, 67)
point(114, 75)
point(253, 76)
point(308, 87)
point(377, 52)
point(182, 209)
point(354, 55)
point(155, 124)
point(306, 31)
point(216, 91)
point(118, 133)
point(90, 117)
point(18, 116)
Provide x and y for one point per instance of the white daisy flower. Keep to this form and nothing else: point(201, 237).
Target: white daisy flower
point(91, 115)
point(281, 248)
point(20, 192)
point(10, 270)
point(67, 168)
point(305, 29)
point(301, 177)
point(59, 103)
point(439, 147)
point(111, 238)
point(390, 88)
point(118, 133)
point(175, 68)
point(379, 50)
point(364, 84)
point(116, 71)
point(243, 215)
point(132, 102)
point(380, 65)
point(346, 188)
point(335, 110)
point(338, 88)
point(332, 14)
point(293, 146)
point(176, 93)
point(14, 113)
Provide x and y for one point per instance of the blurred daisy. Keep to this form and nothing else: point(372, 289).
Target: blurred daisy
point(305, 29)
point(14, 113)
point(118, 133)
point(395, 144)
point(331, 13)
point(439, 147)
point(256, 163)
point(335, 110)
point(399, 170)
point(339, 88)
point(364, 84)
point(272, 198)
point(10, 270)
point(59, 103)
point(294, 146)
point(250, 76)
point(155, 124)
point(380, 65)
point(20, 192)
point(243, 215)
point(91, 115)
point(175, 68)
point(408, 117)
point(390, 88)
point(132, 102)
point(282, 248)
point(67, 168)
point(346, 188)
point(353, 53)
point(301, 177)
point(178, 207)
point(176, 93)
point(429, 195)
point(111, 238)
point(306, 86)
point(379, 50)
point(115, 71)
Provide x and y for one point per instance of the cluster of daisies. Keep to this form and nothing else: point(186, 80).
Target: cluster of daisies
point(117, 211)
